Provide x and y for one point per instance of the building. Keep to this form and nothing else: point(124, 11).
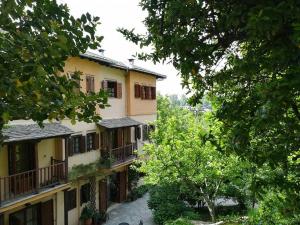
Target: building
point(48, 174)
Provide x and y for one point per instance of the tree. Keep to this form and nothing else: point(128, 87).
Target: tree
point(182, 151)
point(36, 37)
point(245, 54)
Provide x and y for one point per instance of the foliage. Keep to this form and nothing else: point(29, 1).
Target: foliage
point(186, 152)
point(83, 170)
point(134, 175)
point(165, 203)
point(245, 54)
point(36, 38)
point(87, 213)
point(138, 192)
point(180, 221)
point(273, 210)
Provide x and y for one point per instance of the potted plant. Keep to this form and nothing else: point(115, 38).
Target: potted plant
point(100, 217)
point(87, 215)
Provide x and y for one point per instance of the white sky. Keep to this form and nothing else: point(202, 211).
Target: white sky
point(127, 14)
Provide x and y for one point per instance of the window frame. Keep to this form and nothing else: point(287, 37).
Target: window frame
point(90, 83)
point(112, 91)
point(91, 146)
point(73, 144)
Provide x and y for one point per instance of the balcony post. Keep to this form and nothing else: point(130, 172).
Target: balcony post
point(66, 156)
point(37, 181)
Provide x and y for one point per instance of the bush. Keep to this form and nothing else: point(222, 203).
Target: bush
point(166, 204)
point(180, 221)
point(274, 209)
point(138, 192)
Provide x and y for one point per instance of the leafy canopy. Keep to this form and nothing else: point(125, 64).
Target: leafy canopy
point(182, 151)
point(36, 37)
point(245, 54)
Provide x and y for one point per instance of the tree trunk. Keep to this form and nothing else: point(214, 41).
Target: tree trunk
point(211, 208)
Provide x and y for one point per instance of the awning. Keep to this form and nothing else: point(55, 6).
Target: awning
point(14, 133)
point(120, 122)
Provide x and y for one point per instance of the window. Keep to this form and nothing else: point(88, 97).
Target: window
point(71, 199)
point(85, 193)
point(90, 84)
point(113, 88)
point(145, 92)
point(76, 144)
point(92, 141)
point(27, 216)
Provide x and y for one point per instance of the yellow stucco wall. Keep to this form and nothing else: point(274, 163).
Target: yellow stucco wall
point(46, 150)
point(137, 106)
point(117, 107)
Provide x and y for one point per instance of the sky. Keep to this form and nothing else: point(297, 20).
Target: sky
point(126, 14)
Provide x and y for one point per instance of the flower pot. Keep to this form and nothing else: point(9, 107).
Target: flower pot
point(88, 221)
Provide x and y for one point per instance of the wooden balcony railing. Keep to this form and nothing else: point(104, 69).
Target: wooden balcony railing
point(17, 185)
point(116, 156)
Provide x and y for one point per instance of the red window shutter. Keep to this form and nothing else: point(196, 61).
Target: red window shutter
point(137, 91)
point(143, 96)
point(153, 92)
point(104, 85)
point(82, 144)
point(119, 90)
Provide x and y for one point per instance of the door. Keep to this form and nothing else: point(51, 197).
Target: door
point(103, 195)
point(47, 213)
point(122, 177)
point(22, 159)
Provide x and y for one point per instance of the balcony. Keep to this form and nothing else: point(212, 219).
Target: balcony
point(117, 156)
point(33, 181)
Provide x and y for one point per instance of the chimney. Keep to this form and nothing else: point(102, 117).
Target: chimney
point(131, 61)
point(101, 51)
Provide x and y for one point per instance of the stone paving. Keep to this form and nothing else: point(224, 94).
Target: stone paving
point(131, 213)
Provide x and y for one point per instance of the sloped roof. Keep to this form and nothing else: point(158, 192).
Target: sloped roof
point(143, 70)
point(120, 122)
point(14, 133)
point(119, 65)
point(104, 60)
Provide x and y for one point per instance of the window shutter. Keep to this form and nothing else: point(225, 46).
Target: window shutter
point(119, 90)
point(88, 84)
point(96, 142)
point(82, 144)
point(70, 146)
point(153, 92)
point(104, 85)
point(143, 92)
point(137, 90)
point(92, 84)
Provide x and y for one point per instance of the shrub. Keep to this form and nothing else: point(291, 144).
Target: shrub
point(166, 204)
point(138, 192)
point(274, 209)
point(180, 221)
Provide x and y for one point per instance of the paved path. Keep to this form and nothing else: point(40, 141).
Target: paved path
point(131, 212)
